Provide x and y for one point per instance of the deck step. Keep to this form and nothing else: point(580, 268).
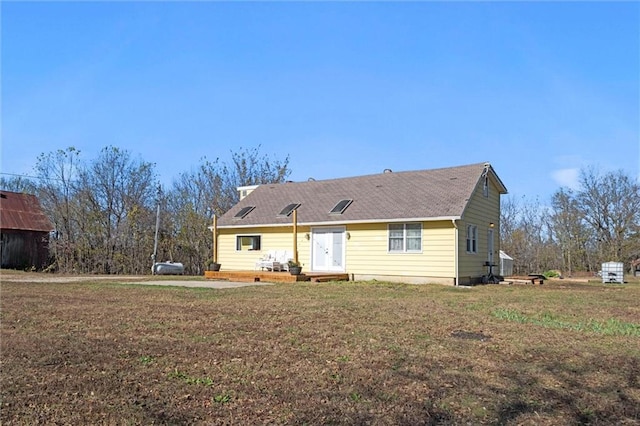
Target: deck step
point(329, 277)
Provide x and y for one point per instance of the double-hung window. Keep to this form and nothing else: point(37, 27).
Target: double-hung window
point(405, 238)
point(472, 239)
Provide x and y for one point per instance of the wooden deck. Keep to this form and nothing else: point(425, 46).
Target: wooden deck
point(274, 277)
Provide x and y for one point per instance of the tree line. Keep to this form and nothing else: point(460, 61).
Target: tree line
point(104, 210)
point(104, 213)
point(578, 230)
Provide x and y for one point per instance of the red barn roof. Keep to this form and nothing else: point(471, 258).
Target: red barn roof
point(22, 212)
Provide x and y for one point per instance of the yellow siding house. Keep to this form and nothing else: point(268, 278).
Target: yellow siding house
point(426, 226)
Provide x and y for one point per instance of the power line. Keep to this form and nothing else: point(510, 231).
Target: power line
point(34, 177)
point(18, 175)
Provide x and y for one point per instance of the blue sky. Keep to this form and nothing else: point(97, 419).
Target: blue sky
point(540, 90)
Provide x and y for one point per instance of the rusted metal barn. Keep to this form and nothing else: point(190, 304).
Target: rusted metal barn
point(24, 231)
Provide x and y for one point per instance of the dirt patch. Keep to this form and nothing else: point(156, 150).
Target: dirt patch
point(199, 284)
point(470, 335)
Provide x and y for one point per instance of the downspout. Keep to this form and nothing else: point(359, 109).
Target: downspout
point(455, 257)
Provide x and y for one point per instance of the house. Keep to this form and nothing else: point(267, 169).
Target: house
point(426, 226)
point(24, 231)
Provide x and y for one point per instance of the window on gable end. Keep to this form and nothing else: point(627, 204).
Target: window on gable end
point(472, 239)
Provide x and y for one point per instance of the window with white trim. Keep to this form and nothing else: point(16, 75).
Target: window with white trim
point(472, 239)
point(405, 238)
point(247, 242)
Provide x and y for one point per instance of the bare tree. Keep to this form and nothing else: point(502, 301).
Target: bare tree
point(58, 172)
point(249, 167)
point(212, 189)
point(610, 204)
point(598, 222)
point(18, 184)
point(525, 235)
point(570, 231)
point(104, 210)
point(117, 198)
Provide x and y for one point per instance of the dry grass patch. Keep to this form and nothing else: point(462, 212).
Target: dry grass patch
point(332, 353)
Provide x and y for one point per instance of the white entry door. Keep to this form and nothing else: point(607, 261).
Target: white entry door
point(327, 249)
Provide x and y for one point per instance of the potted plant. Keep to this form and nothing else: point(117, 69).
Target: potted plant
point(212, 266)
point(294, 267)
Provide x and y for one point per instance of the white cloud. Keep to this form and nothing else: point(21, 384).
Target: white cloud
point(567, 177)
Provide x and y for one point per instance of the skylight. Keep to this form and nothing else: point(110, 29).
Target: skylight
point(243, 212)
point(287, 210)
point(340, 207)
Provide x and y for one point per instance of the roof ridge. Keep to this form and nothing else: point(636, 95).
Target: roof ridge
point(390, 172)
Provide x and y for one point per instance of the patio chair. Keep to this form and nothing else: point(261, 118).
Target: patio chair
point(274, 260)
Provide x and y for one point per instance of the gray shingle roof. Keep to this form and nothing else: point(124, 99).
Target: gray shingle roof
point(385, 197)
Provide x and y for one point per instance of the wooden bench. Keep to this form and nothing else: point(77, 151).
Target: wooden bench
point(534, 277)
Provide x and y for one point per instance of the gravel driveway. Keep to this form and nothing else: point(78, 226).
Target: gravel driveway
point(29, 277)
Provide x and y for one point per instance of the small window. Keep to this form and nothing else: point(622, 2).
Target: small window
point(247, 242)
point(472, 239)
point(287, 210)
point(340, 207)
point(405, 237)
point(243, 212)
point(485, 187)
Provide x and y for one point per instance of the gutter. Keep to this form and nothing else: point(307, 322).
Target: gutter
point(343, 222)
